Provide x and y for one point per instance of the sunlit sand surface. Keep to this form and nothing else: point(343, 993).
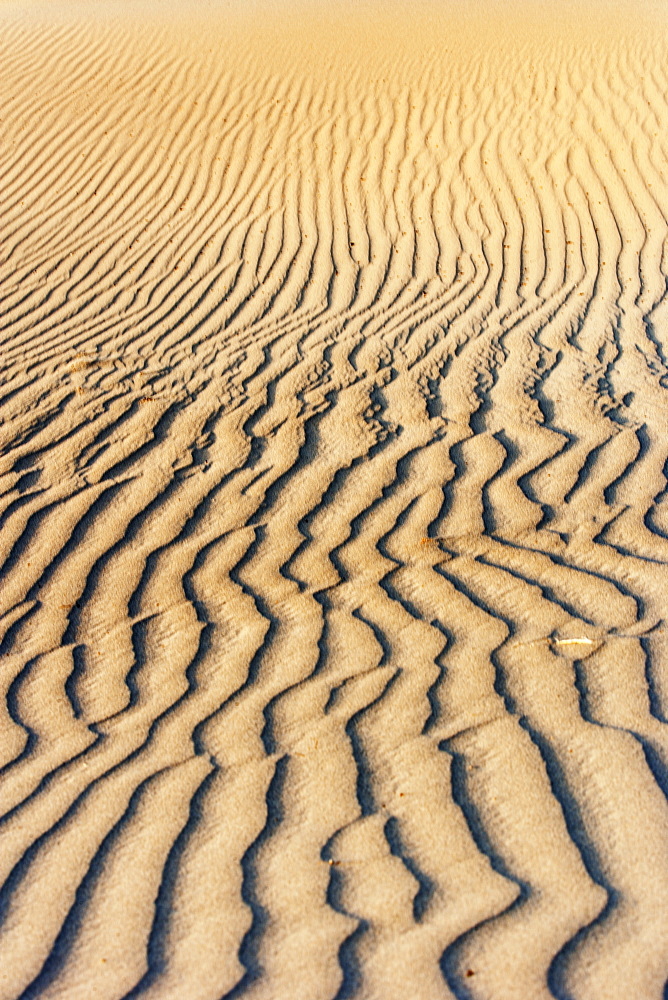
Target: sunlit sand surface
point(333, 510)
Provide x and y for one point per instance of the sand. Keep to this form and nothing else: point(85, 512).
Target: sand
point(333, 502)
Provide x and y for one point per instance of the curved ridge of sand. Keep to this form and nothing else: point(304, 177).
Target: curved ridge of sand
point(333, 518)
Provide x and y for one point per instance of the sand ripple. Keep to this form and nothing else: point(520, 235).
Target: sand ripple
point(333, 516)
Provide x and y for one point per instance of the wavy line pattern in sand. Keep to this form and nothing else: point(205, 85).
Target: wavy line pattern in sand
point(333, 518)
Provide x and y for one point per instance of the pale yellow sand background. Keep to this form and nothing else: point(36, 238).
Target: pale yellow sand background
point(333, 518)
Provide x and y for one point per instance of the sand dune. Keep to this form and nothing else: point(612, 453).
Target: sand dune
point(333, 510)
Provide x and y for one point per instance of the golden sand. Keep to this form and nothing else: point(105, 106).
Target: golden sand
point(333, 518)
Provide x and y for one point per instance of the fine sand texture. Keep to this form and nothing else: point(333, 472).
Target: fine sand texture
point(333, 503)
